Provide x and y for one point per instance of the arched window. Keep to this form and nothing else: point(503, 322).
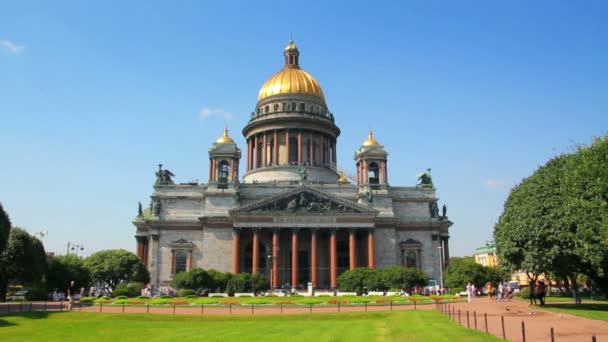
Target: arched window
point(180, 261)
point(223, 172)
point(374, 173)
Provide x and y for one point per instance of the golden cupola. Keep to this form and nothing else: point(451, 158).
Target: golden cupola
point(224, 139)
point(370, 141)
point(291, 79)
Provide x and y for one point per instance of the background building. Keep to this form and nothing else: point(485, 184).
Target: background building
point(295, 217)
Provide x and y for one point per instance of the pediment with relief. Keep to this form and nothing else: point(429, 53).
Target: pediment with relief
point(302, 201)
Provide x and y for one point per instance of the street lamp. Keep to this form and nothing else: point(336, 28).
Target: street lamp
point(440, 267)
point(74, 247)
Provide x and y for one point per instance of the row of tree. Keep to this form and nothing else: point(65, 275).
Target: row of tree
point(556, 220)
point(465, 270)
point(392, 277)
point(24, 261)
point(205, 281)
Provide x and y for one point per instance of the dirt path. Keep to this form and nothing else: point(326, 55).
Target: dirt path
point(538, 323)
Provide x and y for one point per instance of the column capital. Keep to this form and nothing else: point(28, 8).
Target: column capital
point(276, 230)
point(296, 229)
point(236, 229)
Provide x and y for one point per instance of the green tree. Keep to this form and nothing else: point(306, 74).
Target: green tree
point(195, 279)
point(461, 271)
point(220, 280)
point(5, 228)
point(556, 220)
point(23, 260)
point(259, 283)
point(240, 282)
point(359, 279)
point(399, 277)
point(65, 268)
point(113, 266)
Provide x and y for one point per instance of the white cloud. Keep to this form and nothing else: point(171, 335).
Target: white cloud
point(11, 47)
point(206, 113)
point(493, 184)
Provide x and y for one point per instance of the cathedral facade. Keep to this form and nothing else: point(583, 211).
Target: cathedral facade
point(294, 216)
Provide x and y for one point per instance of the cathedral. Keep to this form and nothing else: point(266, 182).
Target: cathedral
point(294, 216)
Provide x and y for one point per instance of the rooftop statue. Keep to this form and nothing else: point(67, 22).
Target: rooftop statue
point(140, 211)
point(163, 177)
point(370, 195)
point(425, 180)
point(303, 174)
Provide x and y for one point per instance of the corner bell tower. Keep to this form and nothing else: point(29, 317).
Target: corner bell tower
point(371, 160)
point(224, 158)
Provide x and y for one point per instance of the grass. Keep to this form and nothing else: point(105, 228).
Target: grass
point(421, 325)
point(597, 311)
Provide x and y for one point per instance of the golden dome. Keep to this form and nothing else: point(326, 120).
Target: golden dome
point(370, 140)
point(224, 139)
point(291, 46)
point(291, 79)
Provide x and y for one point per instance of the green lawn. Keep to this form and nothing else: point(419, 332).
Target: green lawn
point(365, 326)
point(588, 310)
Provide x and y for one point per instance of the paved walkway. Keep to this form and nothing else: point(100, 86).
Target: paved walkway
point(538, 323)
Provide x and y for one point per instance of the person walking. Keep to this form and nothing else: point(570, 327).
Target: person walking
point(540, 291)
point(490, 291)
point(533, 292)
point(71, 292)
point(469, 292)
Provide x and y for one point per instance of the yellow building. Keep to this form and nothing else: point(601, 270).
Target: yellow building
point(486, 255)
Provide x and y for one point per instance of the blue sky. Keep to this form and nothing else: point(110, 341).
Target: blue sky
point(94, 96)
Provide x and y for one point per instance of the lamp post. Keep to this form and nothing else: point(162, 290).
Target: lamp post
point(75, 247)
point(440, 267)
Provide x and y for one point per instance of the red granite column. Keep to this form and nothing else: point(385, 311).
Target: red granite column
point(287, 145)
point(312, 150)
point(371, 261)
point(299, 148)
point(275, 160)
point(265, 151)
point(255, 263)
point(210, 169)
point(294, 257)
point(255, 152)
point(248, 153)
point(352, 253)
point(313, 257)
point(333, 260)
point(275, 258)
point(235, 250)
point(231, 177)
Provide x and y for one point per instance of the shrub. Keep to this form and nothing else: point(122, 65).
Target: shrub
point(245, 296)
point(127, 290)
point(142, 297)
point(159, 301)
point(122, 297)
point(336, 301)
point(525, 293)
point(121, 301)
point(257, 302)
point(357, 279)
point(239, 283)
point(217, 296)
point(323, 295)
point(360, 300)
point(186, 293)
point(179, 302)
point(191, 296)
point(166, 297)
point(286, 303)
point(310, 301)
point(206, 301)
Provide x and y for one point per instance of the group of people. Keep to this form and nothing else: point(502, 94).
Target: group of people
point(538, 292)
point(504, 292)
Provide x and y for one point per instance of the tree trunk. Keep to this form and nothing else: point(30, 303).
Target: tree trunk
point(3, 288)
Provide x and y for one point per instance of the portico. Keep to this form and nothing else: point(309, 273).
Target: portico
point(302, 235)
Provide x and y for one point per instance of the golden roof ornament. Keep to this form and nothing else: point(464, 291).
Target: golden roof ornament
point(370, 140)
point(224, 139)
point(342, 179)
